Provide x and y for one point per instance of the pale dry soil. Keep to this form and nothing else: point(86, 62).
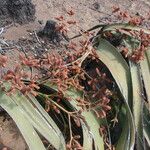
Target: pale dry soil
point(88, 14)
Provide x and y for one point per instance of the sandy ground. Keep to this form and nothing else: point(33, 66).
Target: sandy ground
point(10, 135)
point(88, 14)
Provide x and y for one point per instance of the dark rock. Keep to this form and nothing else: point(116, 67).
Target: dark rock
point(20, 11)
point(3, 9)
point(40, 22)
point(50, 27)
point(50, 31)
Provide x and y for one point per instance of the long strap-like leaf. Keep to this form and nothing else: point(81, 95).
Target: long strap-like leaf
point(137, 98)
point(26, 129)
point(45, 128)
point(145, 71)
point(137, 104)
point(146, 121)
point(119, 69)
point(89, 136)
point(116, 64)
point(91, 120)
point(124, 26)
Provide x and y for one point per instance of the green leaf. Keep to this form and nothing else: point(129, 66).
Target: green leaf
point(137, 104)
point(47, 129)
point(120, 71)
point(87, 137)
point(111, 27)
point(137, 97)
point(127, 138)
point(145, 71)
point(148, 56)
point(92, 121)
point(124, 26)
point(19, 117)
point(116, 64)
point(146, 122)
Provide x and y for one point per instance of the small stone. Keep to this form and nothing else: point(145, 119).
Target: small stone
point(40, 22)
point(23, 38)
point(96, 5)
point(32, 48)
point(30, 33)
point(50, 32)
point(42, 42)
